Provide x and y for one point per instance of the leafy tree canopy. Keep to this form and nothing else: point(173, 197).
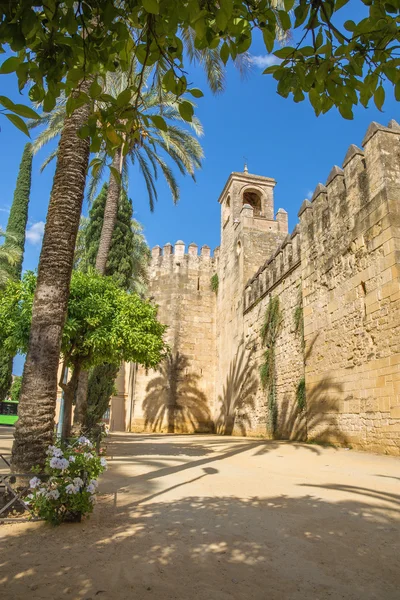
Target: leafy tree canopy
point(104, 322)
point(59, 43)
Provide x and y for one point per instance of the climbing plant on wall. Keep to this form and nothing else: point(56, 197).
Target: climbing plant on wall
point(214, 282)
point(269, 334)
point(299, 328)
point(298, 317)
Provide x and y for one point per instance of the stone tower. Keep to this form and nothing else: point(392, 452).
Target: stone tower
point(249, 235)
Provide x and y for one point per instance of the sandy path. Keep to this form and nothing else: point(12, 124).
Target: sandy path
point(211, 518)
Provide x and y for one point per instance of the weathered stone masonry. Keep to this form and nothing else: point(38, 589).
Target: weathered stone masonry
point(339, 269)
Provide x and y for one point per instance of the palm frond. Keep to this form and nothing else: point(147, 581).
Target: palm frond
point(169, 176)
point(151, 188)
point(48, 160)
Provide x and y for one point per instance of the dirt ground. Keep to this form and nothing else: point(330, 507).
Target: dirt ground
point(213, 518)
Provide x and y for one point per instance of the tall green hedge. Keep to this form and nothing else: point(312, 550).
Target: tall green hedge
point(127, 263)
point(18, 218)
point(16, 227)
point(120, 259)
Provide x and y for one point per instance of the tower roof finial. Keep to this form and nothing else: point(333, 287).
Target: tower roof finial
point(245, 170)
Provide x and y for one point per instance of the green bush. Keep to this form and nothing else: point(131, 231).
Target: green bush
point(16, 389)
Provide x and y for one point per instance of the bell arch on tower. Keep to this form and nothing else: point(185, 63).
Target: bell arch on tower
point(255, 198)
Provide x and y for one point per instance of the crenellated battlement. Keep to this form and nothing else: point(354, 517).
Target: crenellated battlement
point(341, 208)
point(285, 259)
point(175, 255)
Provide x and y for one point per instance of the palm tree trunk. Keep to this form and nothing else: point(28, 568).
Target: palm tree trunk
point(109, 220)
point(110, 215)
point(69, 389)
point(35, 426)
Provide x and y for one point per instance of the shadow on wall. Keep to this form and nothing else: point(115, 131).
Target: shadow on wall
point(318, 420)
point(238, 395)
point(173, 402)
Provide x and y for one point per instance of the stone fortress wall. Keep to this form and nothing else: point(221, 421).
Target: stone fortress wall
point(175, 398)
point(339, 271)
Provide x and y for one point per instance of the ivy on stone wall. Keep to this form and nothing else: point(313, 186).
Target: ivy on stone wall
point(301, 394)
point(214, 283)
point(299, 328)
point(269, 334)
point(298, 318)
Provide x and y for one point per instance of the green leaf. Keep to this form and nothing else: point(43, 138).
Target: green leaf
point(346, 111)
point(18, 122)
point(10, 65)
point(84, 132)
point(113, 136)
point(269, 39)
point(350, 25)
point(288, 4)
point(221, 19)
point(285, 52)
point(186, 110)
point(397, 91)
point(116, 174)
point(7, 103)
point(196, 93)
point(95, 89)
point(379, 97)
point(285, 20)
point(339, 4)
point(159, 122)
point(151, 6)
point(271, 69)
point(224, 53)
point(25, 111)
point(169, 81)
point(124, 98)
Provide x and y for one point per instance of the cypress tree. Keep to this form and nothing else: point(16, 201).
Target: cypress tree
point(15, 237)
point(120, 259)
point(18, 217)
point(127, 261)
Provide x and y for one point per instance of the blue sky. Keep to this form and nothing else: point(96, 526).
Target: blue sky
point(280, 139)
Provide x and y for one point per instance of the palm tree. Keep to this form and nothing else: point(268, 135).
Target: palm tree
point(176, 143)
point(35, 426)
point(10, 254)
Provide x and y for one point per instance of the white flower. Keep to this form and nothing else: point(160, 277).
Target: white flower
point(34, 483)
point(88, 456)
point(54, 451)
point(91, 488)
point(41, 492)
point(78, 482)
point(59, 463)
point(72, 489)
point(84, 441)
point(71, 458)
point(103, 462)
point(92, 499)
point(53, 495)
point(94, 482)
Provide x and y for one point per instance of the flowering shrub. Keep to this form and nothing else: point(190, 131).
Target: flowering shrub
point(69, 487)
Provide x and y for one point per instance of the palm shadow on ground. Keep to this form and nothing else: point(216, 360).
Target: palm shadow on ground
point(339, 541)
point(174, 401)
point(212, 547)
